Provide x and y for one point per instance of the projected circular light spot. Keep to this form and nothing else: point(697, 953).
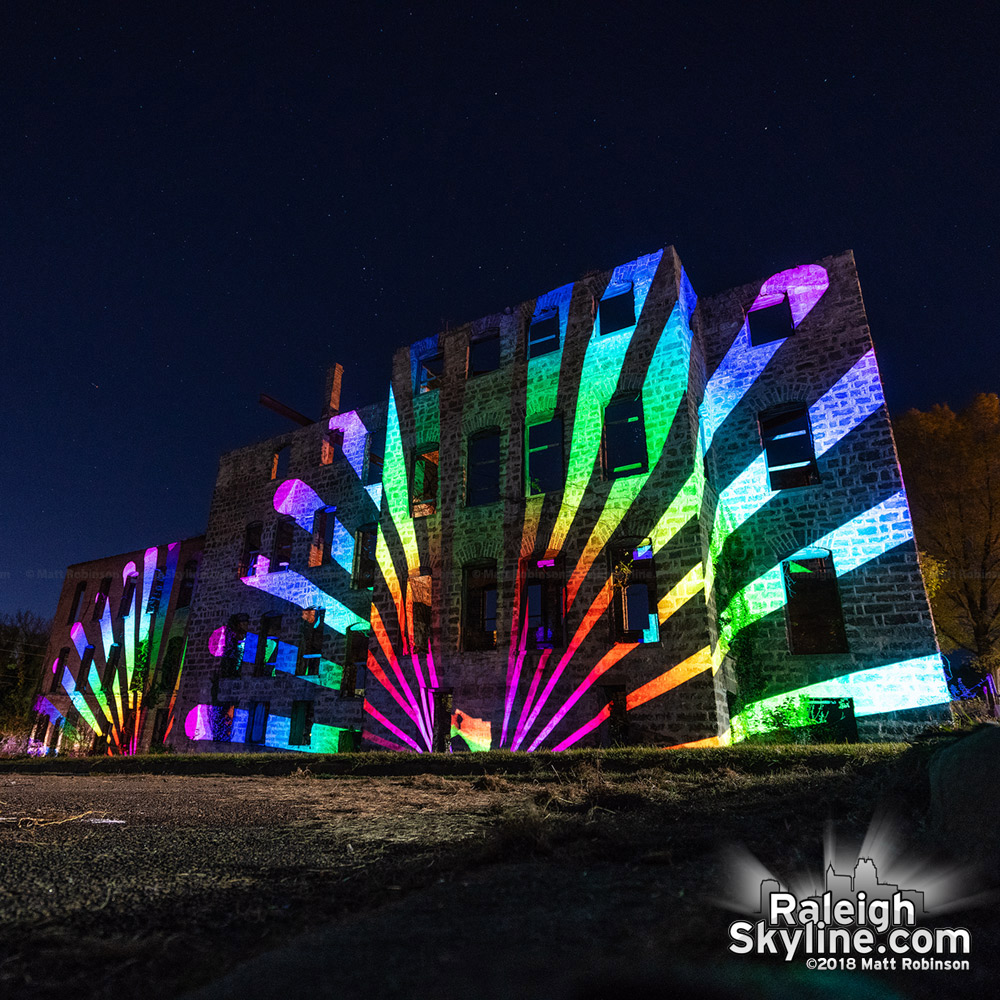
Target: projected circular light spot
point(217, 641)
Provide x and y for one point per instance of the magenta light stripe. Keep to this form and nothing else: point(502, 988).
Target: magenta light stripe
point(515, 660)
point(382, 742)
point(522, 725)
point(376, 714)
point(418, 719)
point(603, 714)
point(605, 663)
point(375, 669)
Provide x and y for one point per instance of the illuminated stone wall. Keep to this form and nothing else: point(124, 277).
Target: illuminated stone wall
point(115, 655)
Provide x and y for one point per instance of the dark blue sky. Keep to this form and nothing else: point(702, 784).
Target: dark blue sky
point(204, 202)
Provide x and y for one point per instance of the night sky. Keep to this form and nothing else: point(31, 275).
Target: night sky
point(202, 203)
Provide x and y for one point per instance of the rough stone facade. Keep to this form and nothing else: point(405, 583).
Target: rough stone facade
point(113, 663)
point(612, 514)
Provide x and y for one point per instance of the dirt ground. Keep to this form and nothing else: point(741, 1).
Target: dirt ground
point(397, 887)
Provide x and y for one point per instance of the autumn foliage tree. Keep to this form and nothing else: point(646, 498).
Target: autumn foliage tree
point(951, 466)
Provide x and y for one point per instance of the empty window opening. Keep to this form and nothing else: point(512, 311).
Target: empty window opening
point(770, 323)
point(257, 721)
point(430, 373)
point(425, 481)
point(156, 590)
point(375, 456)
point(300, 727)
point(545, 468)
point(171, 667)
point(617, 312)
point(86, 662)
point(813, 614)
point(186, 591)
point(322, 536)
point(624, 437)
point(543, 334)
point(279, 462)
point(60, 666)
point(483, 480)
point(284, 533)
point(484, 353)
point(234, 639)
point(251, 549)
point(332, 447)
point(74, 606)
point(634, 601)
point(111, 666)
point(355, 659)
point(365, 564)
point(101, 598)
point(788, 445)
point(480, 619)
point(543, 597)
point(312, 642)
point(267, 645)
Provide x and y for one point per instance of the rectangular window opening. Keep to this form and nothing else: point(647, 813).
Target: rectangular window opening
point(634, 601)
point(788, 447)
point(425, 481)
point(332, 447)
point(312, 642)
point(545, 469)
point(624, 438)
point(257, 722)
point(484, 353)
point(284, 533)
point(770, 323)
point(813, 614)
point(483, 474)
point(544, 604)
point(543, 334)
point(430, 373)
point(617, 312)
point(365, 564)
point(300, 727)
point(480, 619)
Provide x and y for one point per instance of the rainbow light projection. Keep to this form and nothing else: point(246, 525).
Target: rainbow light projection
point(548, 698)
point(297, 500)
point(110, 676)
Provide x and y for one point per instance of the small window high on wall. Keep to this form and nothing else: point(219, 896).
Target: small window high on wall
point(482, 483)
point(617, 312)
point(624, 437)
point(332, 447)
point(74, 606)
point(430, 373)
point(279, 462)
point(813, 614)
point(634, 599)
point(484, 353)
point(788, 445)
point(101, 600)
point(543, 334)
point(374, 456)
point(545, 471)
point(770, 324)
point(479, 621)
point(424, 497)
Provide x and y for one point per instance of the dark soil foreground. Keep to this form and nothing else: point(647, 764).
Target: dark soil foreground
point(582, 881)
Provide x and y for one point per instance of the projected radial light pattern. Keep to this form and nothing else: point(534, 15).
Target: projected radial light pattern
point(111, 698)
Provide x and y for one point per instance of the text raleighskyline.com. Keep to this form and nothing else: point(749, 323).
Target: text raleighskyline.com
point(824, 925)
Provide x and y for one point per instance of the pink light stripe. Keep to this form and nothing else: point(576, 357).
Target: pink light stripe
point(376, 714)
point(383, 640)
point(522, 725)
point(595, 611)
point(382, 742)
point(605, 663)
point(603, 714)
point(513, 680)
point(378, 673)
